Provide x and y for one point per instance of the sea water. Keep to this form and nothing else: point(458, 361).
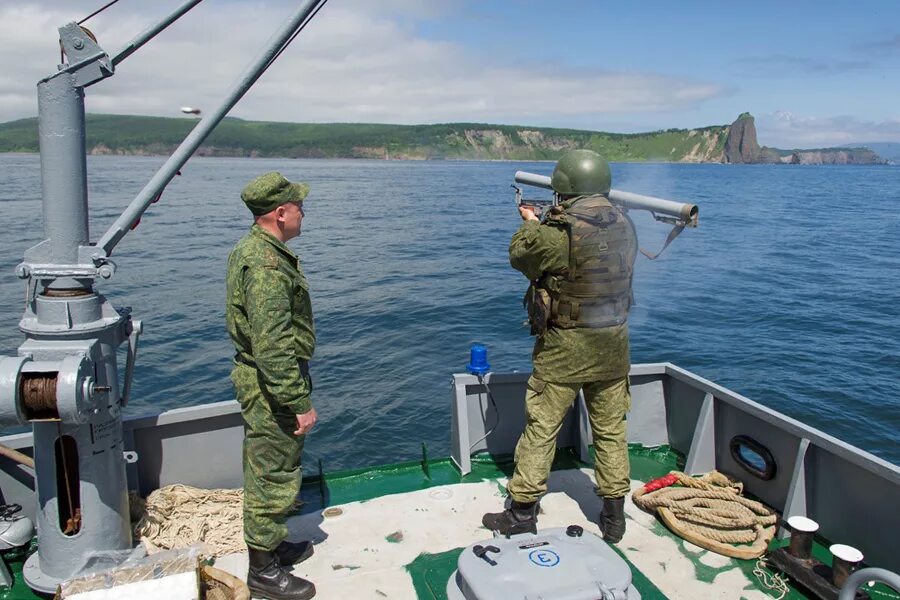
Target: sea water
point(788, 292)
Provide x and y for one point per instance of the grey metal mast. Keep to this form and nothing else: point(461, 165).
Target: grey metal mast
point(65, 379)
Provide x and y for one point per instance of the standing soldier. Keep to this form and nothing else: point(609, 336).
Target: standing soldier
point(579, 262)
point(269, 319)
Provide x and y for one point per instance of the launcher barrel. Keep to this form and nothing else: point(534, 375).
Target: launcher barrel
point(687, 214)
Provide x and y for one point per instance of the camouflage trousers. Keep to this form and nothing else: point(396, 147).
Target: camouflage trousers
point(546, 405)
point(271, 458)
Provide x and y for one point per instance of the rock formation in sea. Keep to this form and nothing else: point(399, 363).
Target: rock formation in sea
point(741, 146)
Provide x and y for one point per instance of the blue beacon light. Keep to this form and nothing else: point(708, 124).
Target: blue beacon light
point(478, 364)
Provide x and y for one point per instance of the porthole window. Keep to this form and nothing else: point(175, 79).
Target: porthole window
point(753, 457)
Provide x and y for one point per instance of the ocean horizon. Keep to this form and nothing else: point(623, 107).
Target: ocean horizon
point(786, 293)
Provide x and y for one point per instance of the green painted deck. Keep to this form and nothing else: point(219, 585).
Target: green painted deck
point(14, 559)
point(431, 572)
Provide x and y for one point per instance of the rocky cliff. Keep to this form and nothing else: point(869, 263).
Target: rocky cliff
point(741, 146)
point(833, 156)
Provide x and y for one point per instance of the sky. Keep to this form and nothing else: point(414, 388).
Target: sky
point(813, 73)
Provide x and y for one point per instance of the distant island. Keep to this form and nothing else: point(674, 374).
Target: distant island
point(138, 135)
point(741, 146)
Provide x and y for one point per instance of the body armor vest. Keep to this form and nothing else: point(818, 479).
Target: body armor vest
point(596, 289)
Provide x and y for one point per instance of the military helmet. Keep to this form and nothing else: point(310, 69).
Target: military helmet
point(581, 172)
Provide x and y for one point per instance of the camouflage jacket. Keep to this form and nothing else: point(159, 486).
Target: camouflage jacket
point(566, 355)
point(268, 314)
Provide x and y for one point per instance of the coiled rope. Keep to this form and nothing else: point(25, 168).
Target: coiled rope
point(710, 512)
point(178, 516)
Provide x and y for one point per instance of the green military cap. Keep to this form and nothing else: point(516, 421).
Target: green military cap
point(270, 190)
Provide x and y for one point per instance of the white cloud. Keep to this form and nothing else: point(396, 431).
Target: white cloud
point(357, 61)
point(784, 129)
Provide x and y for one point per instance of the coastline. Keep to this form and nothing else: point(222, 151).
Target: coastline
point(473, 160)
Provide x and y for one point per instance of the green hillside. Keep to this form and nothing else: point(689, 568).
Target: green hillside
point(116, 134)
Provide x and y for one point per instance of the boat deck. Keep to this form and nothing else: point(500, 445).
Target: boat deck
point(400, 530)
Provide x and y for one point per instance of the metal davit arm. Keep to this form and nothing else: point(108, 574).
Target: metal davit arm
point(196, 137)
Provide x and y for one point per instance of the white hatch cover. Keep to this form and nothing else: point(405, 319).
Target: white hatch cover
point(561, 563)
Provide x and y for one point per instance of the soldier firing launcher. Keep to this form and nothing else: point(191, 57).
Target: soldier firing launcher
point(678, 214)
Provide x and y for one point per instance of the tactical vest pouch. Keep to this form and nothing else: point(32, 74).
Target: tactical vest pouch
point(537, 303)
point(596, 291)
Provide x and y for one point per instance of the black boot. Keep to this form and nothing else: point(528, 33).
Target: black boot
point(612, 519)
point(520, 517)
point(290, 553)
point(268, 579)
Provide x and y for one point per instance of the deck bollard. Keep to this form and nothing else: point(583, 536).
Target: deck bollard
point(802, 531)
point(846, 562)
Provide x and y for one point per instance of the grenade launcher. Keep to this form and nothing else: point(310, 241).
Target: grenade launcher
point(677, 214)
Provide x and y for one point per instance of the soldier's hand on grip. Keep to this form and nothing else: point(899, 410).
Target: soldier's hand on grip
point(527, 213)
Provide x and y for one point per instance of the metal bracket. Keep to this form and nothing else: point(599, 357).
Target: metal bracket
point(54, 271)
point(459, 428)
point(137, 327)
point(675, 222)
point(702, 455)
point(74, 388)
point(92, 264)
point(795, 504)
point(88, 62)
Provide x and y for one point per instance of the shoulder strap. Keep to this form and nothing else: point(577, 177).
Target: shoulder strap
point(676, 231)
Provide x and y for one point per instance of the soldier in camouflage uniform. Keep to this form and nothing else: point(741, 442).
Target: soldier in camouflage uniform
point(269, 319)
point(579, 262)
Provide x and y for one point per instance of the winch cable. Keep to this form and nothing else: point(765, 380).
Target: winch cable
point(97, 12)
point(293, 36)
point(139, 41)
point(180, 156)
point(73, 522)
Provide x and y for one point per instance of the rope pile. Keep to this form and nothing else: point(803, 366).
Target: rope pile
point(710, 512)
point(179, 516)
